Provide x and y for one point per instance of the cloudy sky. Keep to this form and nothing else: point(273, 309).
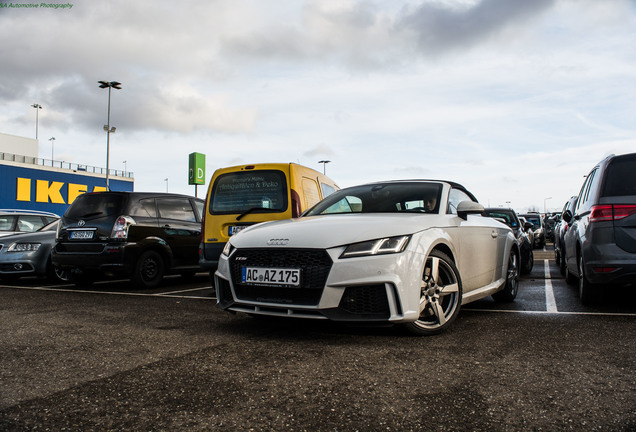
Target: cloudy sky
point(515, 99)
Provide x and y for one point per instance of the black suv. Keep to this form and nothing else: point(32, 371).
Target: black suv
point(134, 234)
point(600, 245)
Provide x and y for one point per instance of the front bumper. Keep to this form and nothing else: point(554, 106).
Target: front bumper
point(24, 263)
point(381, 288)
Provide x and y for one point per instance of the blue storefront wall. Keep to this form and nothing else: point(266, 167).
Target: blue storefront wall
point(53, 190)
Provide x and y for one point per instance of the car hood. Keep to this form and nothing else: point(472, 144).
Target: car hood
point(324, 232)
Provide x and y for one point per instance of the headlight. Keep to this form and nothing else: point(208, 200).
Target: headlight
point(377, 247)
point(227, 249)
point(23, 247)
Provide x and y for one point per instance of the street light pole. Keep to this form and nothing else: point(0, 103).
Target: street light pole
point(545, 208)
point(324, 164)
point(52, 139)
point(108, 85)
point(37, 107)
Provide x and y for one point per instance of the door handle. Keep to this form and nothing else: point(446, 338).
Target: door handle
point(494, 234)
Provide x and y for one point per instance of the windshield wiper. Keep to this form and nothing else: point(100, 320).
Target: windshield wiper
point(253, 209)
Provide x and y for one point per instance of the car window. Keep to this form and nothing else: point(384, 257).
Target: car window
point(382, 198)
point(507, 216)
point(199, 204)
point(619, 178)
point(6, 222)
point(348, 204)
point(583, 203)
point(240, 191)
point(144, 208)
point(326, 190)
point(29, 223)
point(176, 208)
point(534, 220)
point(454, 198)
point(94, 205)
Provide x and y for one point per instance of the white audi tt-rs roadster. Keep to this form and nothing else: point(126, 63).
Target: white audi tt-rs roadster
point(408, 252)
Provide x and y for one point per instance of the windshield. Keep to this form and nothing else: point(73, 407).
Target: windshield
point(534, 220)
point(509, 217)
point(415, 197)
point(249, 191)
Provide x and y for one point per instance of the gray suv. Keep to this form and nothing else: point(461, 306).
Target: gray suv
point(600, 245)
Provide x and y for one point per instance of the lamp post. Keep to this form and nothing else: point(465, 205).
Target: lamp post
point(107, 128)
point(166, 180)
point(545, 208)
point(52, 139)
point(324, 164)
point(125, 169)
point(37, 107)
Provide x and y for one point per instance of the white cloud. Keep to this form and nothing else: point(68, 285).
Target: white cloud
point(515, 99)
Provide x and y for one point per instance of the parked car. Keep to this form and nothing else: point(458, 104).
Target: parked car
point(402, 252)
point(538, 228)
point(527, 228)
point(549, 222)
point(132, 234)
point(559, 233)
point(510, 218)
point(21, 221)
point(244, 195)
point(29, 254)
point(600, 246)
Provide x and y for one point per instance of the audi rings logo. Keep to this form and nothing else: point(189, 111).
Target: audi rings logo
point(82, 222)
point(277, 242)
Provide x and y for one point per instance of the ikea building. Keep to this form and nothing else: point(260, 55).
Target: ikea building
point(28, 182)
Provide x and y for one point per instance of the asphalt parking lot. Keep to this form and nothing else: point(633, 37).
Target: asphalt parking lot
point(110, 357)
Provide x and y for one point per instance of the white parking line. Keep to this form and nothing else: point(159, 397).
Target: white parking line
point(550, 301)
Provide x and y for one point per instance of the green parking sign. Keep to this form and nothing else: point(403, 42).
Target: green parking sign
point(196, 172)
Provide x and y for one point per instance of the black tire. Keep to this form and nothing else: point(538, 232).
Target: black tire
point(589, 293)
point(529, 265)
point(511, 286)
point(149, 270)
point(56, 274)
point(440, 296)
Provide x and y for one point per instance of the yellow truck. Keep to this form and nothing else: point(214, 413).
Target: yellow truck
point(245, 195)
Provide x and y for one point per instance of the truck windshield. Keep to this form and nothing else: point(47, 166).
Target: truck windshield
point(253, 191)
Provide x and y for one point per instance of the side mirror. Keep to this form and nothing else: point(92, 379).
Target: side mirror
point(528, 225)
point(567, 216)
point(465, 208)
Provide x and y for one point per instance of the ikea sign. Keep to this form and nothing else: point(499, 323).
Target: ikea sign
point(49, 189)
